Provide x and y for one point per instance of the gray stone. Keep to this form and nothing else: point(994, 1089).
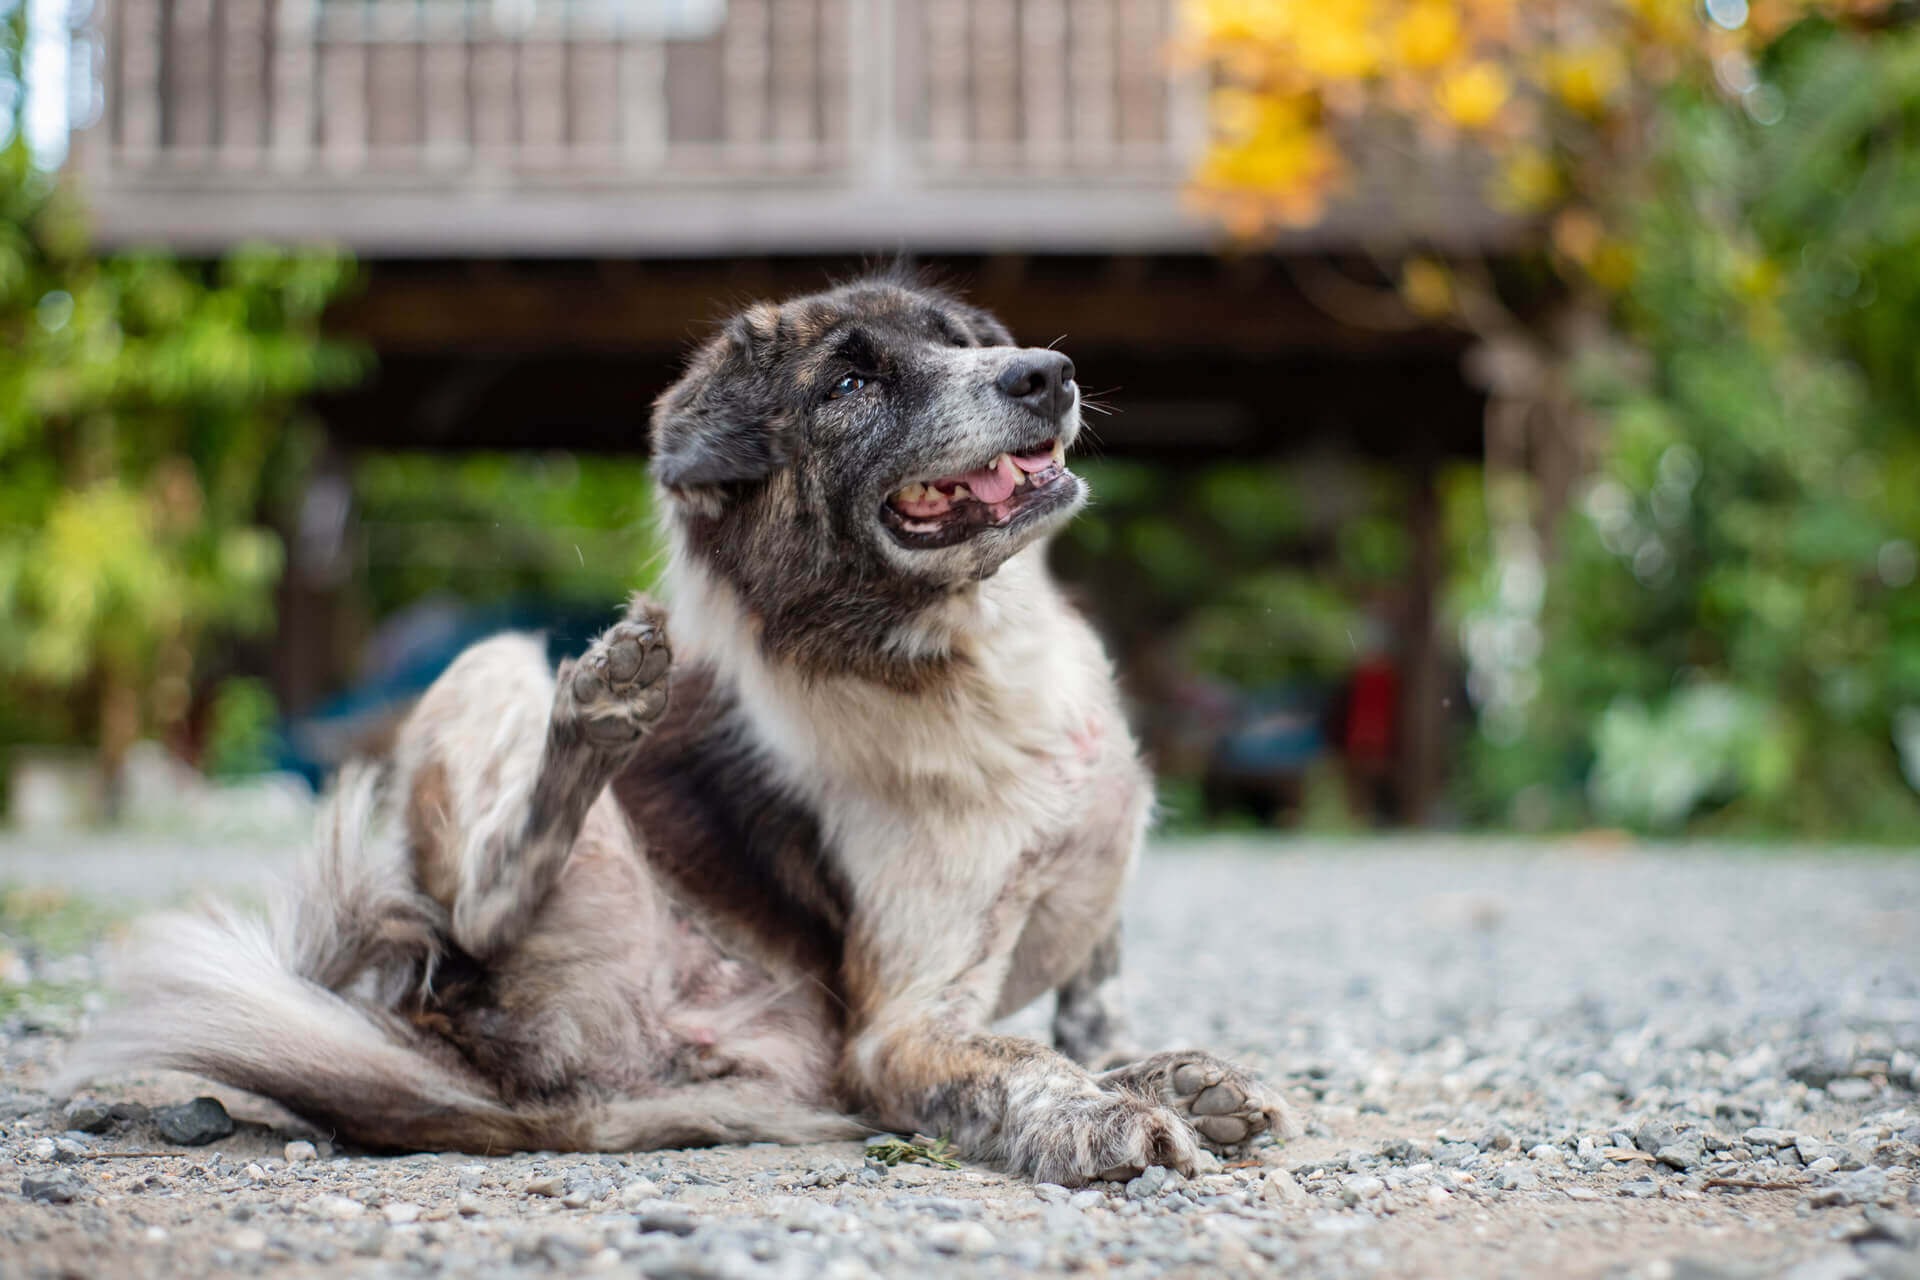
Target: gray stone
point(56, 1188)
point(1516, 1178)
point(1653, 1135)
point(1759, 1136)
point(87, 1117)
point(1153, 1181)
point(670, 1219)
point(1684, 1152)
point(194, 1124)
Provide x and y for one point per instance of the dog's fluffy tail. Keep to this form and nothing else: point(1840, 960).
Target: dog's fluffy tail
point(300, 1007)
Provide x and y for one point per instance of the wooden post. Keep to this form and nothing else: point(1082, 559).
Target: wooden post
point(1422, 686)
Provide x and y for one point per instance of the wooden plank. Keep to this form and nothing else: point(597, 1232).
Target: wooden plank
point(1043, 83)
point(293, 84)
point(139, 106)
point(342, 77)
point(994, 49)
point(243, 81)
point(744, 65)
point(1091, 72)
point(945, 69)
point(447, 112)
point(190, 75)
point(794, 80)
point(643, 103)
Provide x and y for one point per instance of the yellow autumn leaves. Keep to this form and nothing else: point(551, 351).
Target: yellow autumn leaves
point(1300, 86)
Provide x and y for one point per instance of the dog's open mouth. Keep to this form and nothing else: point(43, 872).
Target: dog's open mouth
point(949, 509)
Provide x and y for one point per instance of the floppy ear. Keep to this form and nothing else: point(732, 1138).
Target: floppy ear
point(719, 425)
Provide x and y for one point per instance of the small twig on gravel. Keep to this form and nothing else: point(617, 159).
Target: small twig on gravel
point(1748, 1184)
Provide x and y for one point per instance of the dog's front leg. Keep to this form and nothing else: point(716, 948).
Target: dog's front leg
point(920, 1059)
point(1012, 1102)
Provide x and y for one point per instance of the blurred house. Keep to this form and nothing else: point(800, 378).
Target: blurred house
point(554, 196)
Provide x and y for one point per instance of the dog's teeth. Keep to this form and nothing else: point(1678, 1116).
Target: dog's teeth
point(1019, 478)
point(912, 493)
point(961, 493)
point(1059, 454)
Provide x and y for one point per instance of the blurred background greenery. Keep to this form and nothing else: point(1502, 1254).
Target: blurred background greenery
point(1676, 589)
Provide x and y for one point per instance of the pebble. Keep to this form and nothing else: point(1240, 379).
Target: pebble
point(965, 1239)
point(87, 1117)
point(339, 1208)
point(1354, 1190)
point(299, 1152)
point(1279, 1186)
point(639, 1191)
point(194, 1124)
point(1683, 1152)
point(1516, 1178)
point(1153, 1181)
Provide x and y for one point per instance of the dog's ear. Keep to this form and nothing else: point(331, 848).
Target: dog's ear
point(720, 424)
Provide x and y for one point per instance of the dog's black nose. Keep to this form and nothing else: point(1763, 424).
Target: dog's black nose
point(1041, 380)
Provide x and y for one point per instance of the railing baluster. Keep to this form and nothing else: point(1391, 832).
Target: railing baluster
point(190, 79)
point(1093, 76)
point(448, 48)
point(342, 106)
point(794, 81)
point(1043, 83)
point(832, 56)
point(141, 110)
point(1141, 74)
point(996, 82)
point(491, 88)
point(643, 102)
point(945, 55)
point(745, 67)
point(294, 42)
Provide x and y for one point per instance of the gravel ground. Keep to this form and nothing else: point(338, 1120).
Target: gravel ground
point(1520, 1060)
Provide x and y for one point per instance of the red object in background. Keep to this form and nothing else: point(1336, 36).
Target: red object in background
point(1372, 700)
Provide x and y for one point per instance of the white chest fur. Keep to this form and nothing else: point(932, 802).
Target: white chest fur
point(936, 806)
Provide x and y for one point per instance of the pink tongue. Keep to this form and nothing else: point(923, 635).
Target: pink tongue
point(990, 484)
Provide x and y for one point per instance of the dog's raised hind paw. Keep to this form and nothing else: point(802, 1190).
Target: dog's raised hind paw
point(616, 689)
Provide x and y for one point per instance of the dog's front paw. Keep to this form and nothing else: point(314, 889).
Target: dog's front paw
point(1226, 1106)
point(618, 687)
point(1104, 1136)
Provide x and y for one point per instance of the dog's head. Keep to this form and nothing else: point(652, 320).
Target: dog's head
point(872, 447)
point(908, 421)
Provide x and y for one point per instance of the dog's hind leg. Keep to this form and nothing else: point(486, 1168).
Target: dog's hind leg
point(501, 761)
point(1089, 1012)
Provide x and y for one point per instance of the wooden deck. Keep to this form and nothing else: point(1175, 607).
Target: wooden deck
point(584, 128)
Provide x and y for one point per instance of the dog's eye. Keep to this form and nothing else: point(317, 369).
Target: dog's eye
point(847, 386)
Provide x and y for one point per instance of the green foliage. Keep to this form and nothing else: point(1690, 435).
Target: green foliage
point(937, 1152)
point(1232, 560)
point(146, 409)
point(1733, 628)
point(497, 527)
point(240, 733)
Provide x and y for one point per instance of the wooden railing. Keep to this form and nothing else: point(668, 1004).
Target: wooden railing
point(475, 126)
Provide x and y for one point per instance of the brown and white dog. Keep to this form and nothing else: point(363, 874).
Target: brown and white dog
point(890, 799)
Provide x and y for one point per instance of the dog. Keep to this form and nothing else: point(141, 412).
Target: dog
point(772, 877)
